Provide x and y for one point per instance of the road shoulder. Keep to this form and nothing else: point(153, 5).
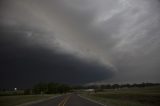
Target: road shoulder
point(91, 100)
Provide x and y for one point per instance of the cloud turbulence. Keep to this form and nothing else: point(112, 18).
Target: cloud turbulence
point(79, 41)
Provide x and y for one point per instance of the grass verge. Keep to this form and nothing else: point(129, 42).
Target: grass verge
point(127, 97)
point(21, 99)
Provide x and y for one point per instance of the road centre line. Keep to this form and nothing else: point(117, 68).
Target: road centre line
point(64, 101)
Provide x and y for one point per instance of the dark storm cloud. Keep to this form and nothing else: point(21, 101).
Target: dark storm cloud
point(122, 35)
point(23, 65)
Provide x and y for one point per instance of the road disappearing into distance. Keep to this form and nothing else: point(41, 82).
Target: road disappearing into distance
point(67, 100)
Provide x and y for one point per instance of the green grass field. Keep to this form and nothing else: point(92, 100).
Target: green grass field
point(149, 96)
point(17, 100)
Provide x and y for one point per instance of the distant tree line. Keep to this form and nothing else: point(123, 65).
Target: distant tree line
point(117, 86)
point(57, 88)
point(40, 88)
point(114, 86)
point(50, 88)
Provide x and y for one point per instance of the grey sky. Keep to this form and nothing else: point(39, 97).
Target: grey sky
point(123, 35)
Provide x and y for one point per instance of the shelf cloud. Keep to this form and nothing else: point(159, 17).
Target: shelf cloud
point(79, 41)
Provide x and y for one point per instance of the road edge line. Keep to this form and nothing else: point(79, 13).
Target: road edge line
point(91, 100)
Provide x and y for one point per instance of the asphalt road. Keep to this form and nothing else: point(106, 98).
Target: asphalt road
point(67, 100)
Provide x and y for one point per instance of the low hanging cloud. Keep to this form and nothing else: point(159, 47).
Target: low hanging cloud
point(117, 38)
point(25, 62)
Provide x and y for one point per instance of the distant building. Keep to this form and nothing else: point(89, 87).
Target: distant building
point(89, 90)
